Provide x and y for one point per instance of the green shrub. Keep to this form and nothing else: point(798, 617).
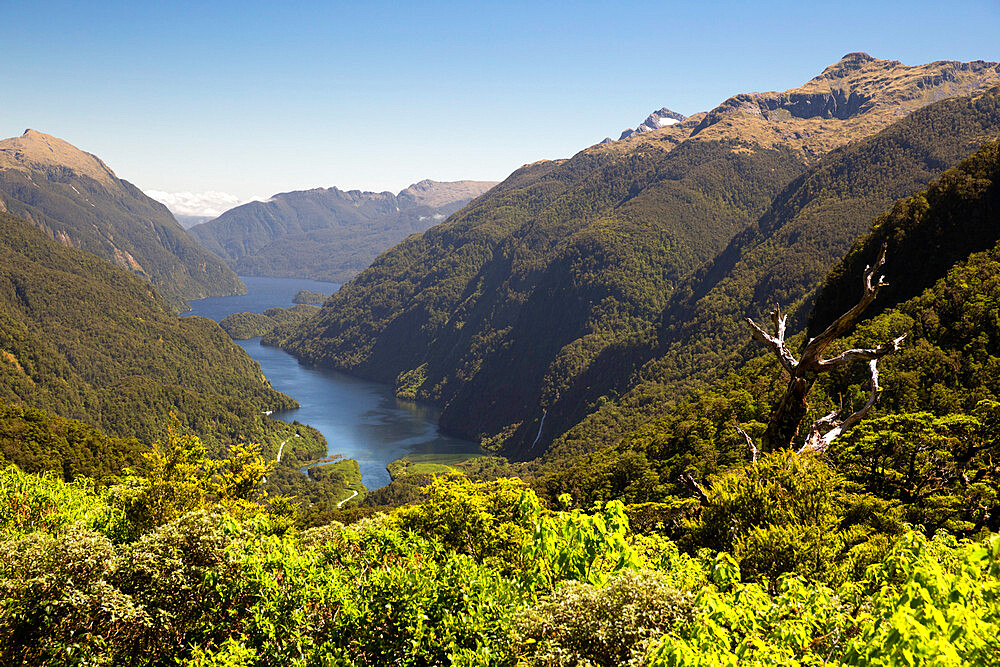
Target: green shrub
point(59, 606)
point(791, 513)
point(582, 624)
point(45, 503)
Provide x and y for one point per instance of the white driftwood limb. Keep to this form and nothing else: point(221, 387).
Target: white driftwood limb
point(750, 444)
point(777, 341)
point(867, 354)
point(792, 408)
point(817, 441)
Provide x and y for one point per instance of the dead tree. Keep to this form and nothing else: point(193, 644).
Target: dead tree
point(792, 407)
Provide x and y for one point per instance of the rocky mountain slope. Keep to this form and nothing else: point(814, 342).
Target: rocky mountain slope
point(76, 199)
point(780, 260)
point(327, 233)
point(519, 315)
point(657, 120)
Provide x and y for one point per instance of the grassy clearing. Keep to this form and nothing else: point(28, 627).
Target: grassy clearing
point(433, 464)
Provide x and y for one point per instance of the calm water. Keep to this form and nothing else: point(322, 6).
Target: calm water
point(361, 420)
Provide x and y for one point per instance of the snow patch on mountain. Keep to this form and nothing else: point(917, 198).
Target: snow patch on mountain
point(658, 119)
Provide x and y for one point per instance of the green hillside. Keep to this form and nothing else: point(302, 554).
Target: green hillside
point(628, 267)
point(781, 260)
point(37, 441)
point(929, 441)
point(86, 340)
point(76, 199)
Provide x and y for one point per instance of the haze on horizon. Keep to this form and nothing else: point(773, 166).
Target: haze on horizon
point(227, 103)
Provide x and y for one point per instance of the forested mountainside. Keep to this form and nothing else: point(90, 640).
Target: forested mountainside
point(76, 199)
point(779, 261)
point(84, 339)
point(328, 234)
point(882, 551)
point(528, 304)
point(36, 441)
point(928, 442)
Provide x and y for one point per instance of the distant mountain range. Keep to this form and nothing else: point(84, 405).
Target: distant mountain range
point(73, 197)
point(591, 289)
point(328, 233)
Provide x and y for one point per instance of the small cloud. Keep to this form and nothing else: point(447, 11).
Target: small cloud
point(209, 204)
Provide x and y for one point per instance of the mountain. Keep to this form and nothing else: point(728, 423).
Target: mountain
point(86, 340)
point(943, 271)
point(76, 199)
point(189, 221)
point(327, 233)
point(534, 306)
point(657, 120)
point(780, 260)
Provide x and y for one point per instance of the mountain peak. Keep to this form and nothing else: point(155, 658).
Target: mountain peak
point(442, 193)
point(37, 150)
point(856, 58)
point(856, 62)
point(657, 120)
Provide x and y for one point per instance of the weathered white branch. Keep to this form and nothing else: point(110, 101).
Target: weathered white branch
point(777, 341)
point(689, 481)
point(817, 441)
point(816, 346)
point(864, 354)
point(750, 444)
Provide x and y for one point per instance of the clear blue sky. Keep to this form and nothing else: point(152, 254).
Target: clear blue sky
point(255, 98)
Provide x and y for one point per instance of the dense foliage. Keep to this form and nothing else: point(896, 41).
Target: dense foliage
point(241, 326)
point(221, 580)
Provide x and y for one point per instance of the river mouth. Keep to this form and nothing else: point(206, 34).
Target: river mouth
point(360, 420)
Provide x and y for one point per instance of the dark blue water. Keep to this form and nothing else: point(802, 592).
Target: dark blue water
point(262, 293)
point(361, 420)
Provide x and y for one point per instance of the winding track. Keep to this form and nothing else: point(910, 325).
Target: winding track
point(353, 493)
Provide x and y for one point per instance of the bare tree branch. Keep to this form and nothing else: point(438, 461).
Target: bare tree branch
point(817, 441)
point(866, 354)
point(777, 341)
point(750, 444)
point(689, 481)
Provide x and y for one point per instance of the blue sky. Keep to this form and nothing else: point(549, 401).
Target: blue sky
point(255, 98)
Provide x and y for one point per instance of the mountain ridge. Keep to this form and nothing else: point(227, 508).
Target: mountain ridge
point(589, 248)
point(328, 233)
point(75, 198)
